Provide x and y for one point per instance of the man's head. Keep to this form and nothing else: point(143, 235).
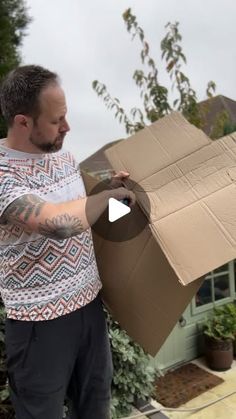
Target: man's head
point(34, 107)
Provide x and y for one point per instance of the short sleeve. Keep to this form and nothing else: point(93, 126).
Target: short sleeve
point(12, 186)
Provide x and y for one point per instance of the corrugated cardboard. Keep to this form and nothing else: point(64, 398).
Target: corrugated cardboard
point(190, 182)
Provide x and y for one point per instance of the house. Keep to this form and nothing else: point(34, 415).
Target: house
point(219, 116)
point(97, 164)
point(184, 342)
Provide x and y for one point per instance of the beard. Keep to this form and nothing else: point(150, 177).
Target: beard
point(48, 146)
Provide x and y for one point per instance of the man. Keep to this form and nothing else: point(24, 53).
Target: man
point(56, 337)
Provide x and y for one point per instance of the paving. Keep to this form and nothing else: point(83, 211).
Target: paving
point(223, 409)
point(219, 409)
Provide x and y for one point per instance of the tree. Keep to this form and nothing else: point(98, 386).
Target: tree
point(154, 95)
point(14, 20)
point(13, 23)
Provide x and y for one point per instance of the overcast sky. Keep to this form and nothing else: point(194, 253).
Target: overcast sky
point(83, 40)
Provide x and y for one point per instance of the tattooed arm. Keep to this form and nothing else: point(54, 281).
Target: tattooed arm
point(62, 220)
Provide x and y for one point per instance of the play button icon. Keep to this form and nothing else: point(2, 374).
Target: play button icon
point(117, 210)
point(120, 221)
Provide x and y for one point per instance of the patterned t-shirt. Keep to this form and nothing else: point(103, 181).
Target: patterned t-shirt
point(43, 278)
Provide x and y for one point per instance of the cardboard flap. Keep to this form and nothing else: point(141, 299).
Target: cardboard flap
point(190, 183)
point(189, 179)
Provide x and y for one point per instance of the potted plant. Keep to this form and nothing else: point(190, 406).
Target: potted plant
point(219, 331)
point(232, 311)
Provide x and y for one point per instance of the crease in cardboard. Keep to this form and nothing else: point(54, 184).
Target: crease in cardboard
point(201, 199)
point(177, 118)
point(204, 162)
point(147, 129)
point(230, 239)
point(227, 148)
point(139, 256)
point(233, 136)
point(177, 267)
point(217, 147)
point(184, 175)
point(158, 141)
point(164, 167)
point(231, 172)
point(145, 244)
point(188, 127)
point(192, 187)
point(151, 174)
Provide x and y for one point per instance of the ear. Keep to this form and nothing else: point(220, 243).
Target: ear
point(22, 121)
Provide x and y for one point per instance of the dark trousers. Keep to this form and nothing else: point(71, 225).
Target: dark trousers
point(68, 357)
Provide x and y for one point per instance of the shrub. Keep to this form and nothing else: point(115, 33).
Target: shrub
point(6, 409)
point(133, 375)
point(222, 323)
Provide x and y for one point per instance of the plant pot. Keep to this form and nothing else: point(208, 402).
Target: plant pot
point(219, 353)
point(139, 403)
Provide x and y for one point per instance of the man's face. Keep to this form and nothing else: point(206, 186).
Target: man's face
point(49, 130)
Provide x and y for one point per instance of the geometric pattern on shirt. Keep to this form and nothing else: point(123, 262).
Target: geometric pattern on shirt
point(36, 266)
point(49, 171)
point(63, 258)
point(56, 308)
point(11, 230)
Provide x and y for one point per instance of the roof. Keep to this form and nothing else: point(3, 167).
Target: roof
point(215, 106)
point(97, 161)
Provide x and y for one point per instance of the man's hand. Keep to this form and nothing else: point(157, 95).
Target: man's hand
point(118, 179)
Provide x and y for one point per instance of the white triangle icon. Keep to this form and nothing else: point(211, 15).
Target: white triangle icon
point(117, 209)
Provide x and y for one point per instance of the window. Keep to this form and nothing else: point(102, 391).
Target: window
point(218, 286)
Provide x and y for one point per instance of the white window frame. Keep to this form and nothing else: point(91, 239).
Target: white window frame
point(212, 275)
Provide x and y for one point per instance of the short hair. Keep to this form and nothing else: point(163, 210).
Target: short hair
point(20, 91)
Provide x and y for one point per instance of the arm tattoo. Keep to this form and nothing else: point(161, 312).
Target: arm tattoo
point(24, 206)
point(61, 227)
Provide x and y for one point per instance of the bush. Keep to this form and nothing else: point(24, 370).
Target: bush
point(6, 409)
point(222, 323)
point(133, 377)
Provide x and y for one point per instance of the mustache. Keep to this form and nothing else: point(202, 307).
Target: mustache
point(60, 137)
